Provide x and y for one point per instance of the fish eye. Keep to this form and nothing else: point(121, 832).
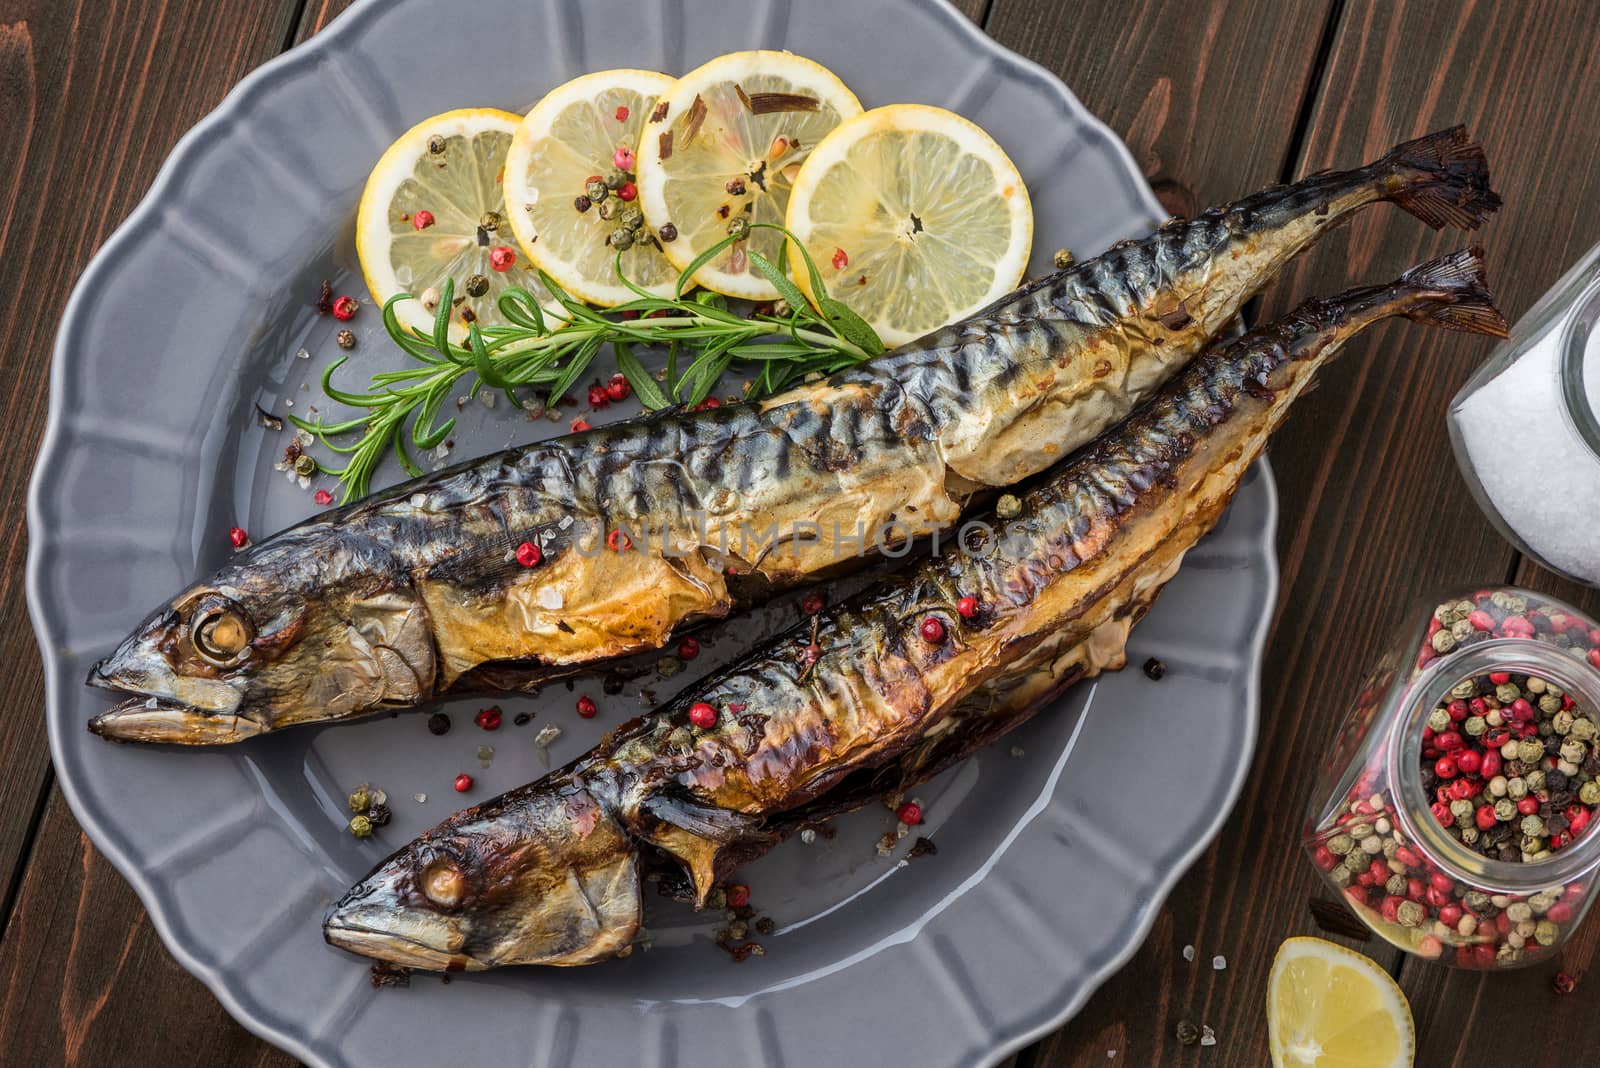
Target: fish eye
point(221, 633)
point(444, 883)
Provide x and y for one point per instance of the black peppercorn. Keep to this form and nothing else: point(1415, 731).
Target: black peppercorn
point(1154, 669)
point(379, 815)
point(521, 718)
point(438, 723)
point(668, 232)
point(582, 203)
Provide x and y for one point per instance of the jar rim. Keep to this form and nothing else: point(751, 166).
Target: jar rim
point(1581, 325)
point(1423, 694)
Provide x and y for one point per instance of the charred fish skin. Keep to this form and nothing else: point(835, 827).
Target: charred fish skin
point(1059, 585)
point(398, 599)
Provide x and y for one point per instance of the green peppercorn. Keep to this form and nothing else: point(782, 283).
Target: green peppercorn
point(1532, 826)
point(477, 285)
point(1438, 720)
point(1443, 641)
point(1188, 1033)
point(1561, 723)
point(361, 826)
point(1411, 913)
point(1549, 705)
point(631, 217)
point(1518, 911)
point(1534, 684)
point(361, 798)
point(1396, 884)
point(1546, 933)
point(1507, 692)
point(739, 227)
point(1528, 751)
point(1516, 788)
point(490, 221)
point(621, 239)
point(1540, 903)
point(1474, 726)
point(1340, 844)
point(596, 191)
point(1340, 875)
point(1573, 751)
point(1007, 507)
point(1505, 810)
point(1476, 900)
point(1589, 793)
point(1535, 778)
point(1464, 690)
point(305, 465)
point(1552, 690)
point(1582, 728)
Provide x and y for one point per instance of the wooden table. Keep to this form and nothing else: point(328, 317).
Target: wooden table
point(1215, 99)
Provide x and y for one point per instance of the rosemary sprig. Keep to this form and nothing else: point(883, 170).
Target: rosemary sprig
point(540, 348)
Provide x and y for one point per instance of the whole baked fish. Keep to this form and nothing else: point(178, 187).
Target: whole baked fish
point(646, 526)
point(549, 873)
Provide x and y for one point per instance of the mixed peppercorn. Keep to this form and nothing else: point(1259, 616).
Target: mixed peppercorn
point(1510, 769)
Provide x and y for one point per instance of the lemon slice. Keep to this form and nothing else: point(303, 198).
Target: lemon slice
point(914, 217)
point(569, 138)
point(434, 209)
point(724, 144)
point(1331, 1007)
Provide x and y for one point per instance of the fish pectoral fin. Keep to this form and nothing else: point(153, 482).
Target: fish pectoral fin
point(708, 841)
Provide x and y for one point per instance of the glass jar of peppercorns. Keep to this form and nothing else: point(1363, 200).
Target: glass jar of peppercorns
point(1459, 815)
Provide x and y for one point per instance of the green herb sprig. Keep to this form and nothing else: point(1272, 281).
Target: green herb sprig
point(538, 347)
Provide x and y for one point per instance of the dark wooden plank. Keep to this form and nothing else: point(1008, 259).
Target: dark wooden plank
point(1375, 515)
point(1204, 94)
point(84, 979)
point(94, 96)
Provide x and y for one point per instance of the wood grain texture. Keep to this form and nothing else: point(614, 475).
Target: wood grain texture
point(1204, 94)
point(93, 97)
point(85, 980)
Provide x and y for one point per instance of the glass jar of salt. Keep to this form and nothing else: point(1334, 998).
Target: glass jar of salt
point(1526, 428)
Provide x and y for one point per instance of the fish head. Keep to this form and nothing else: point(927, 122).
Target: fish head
point(287, 633)
point(542, 875)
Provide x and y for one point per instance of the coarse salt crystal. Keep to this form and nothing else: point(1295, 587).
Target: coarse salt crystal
point(1219, 962)
point(418, 500)
point(1208, 1037)
point(1188, 953)
point(421, 799)
point(1517, 434)
point(550, 597)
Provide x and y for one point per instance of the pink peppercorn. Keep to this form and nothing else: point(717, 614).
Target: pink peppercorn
point(345, 308)
point(322, 497)
point(909, 813)
point(587, 707)
point(529, 554)
point(932, 630)
point(238, 537)
point(422, 220)
point(623, 158)
point(702, 715)
point(463, 783)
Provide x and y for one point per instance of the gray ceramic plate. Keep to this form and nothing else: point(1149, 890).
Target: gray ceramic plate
point(1047, 875)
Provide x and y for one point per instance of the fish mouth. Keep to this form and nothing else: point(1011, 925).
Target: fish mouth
point(159, 719)
point(344, 928)
point(393, 949)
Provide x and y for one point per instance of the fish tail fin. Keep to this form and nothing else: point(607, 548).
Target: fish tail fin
point(1454, 294)
point(1442, 179)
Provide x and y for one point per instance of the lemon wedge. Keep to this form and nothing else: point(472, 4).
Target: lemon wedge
point(582, 131)
point(1331, 1007)
point(434, 209)
point(721, 149)
point(914, 216)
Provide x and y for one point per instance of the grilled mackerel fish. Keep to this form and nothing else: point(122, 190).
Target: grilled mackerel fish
point(417, 590)
point(549, 873)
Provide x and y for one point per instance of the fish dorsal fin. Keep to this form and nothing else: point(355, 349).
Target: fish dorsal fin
point(708, 841)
